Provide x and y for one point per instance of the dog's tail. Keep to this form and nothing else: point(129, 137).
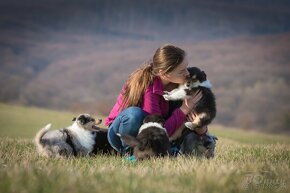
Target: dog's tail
point(38, 138)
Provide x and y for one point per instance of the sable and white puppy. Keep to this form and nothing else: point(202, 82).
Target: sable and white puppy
point(152, 139)
point(77, 139)
point(205, 109)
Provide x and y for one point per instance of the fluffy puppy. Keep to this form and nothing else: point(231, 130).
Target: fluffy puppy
point(77, 139)
point(199, 145)
point(102, 145)
point(152, 139)
point(205, 109)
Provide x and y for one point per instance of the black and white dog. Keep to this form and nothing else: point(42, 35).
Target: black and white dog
point(102, 145)
point(199, 145)
point(82, 138)
point(206, 107)
point(152, 139)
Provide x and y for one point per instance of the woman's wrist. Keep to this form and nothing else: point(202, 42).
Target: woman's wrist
point(184, 110)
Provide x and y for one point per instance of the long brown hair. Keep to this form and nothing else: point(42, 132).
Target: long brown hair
point(166, 59)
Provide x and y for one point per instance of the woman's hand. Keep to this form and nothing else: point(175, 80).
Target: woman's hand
point(201, 130)
point(189, 104)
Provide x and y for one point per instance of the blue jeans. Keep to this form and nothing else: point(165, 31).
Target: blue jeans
point(127, 122)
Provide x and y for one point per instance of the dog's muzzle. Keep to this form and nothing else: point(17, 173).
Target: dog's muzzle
point(95, 127)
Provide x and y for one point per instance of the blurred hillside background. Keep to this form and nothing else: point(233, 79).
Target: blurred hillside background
point(75, 55)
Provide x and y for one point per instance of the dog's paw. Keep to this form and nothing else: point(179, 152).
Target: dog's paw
point(190, 125)
point(166, 97)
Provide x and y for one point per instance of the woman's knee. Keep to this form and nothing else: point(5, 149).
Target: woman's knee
point(132, 120)
point(134, 115)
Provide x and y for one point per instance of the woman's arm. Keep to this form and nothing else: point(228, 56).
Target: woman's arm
point(154, 103)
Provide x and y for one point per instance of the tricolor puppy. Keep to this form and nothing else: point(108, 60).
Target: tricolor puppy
point(201, 146)
point(205, 109)
point(152, 139)
point(102, 145)
point(77, 139)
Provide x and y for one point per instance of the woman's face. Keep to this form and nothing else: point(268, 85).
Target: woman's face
point(179, 74)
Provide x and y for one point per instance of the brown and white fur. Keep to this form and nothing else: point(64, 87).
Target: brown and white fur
point(152, 139)
point(77, 139)
point(205, 109)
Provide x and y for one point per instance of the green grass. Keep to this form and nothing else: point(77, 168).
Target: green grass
point(245, 162)
point(24, 122)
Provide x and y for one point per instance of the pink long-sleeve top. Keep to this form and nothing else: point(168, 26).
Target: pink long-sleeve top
point(153, 103)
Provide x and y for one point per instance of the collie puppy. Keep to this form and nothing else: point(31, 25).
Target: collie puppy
point(152, 139)
point(201, 146)
point(102, 145)
point(205, 109)
point(79, 139)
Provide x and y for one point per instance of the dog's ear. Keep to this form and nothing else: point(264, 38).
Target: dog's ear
point(74, 119)
point(203, 75)
point(215, 138)
point(161, 120)
point(146, 119)
point(129, 140)
point(154, 118)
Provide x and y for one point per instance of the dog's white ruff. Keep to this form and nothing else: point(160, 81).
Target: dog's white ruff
point(206, 84)
point(151, 124)
point(85, 137)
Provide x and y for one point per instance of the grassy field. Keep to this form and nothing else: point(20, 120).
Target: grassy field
point(244, 162)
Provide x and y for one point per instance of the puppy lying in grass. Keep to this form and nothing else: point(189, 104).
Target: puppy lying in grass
point(152, 139)
point(77, 139)
point(200, 146)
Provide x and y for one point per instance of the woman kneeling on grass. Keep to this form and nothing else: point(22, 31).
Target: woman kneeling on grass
point(143, 92)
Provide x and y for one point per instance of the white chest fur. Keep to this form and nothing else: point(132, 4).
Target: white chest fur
point(176, 94)
point(150, 125)
point(85, 138)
